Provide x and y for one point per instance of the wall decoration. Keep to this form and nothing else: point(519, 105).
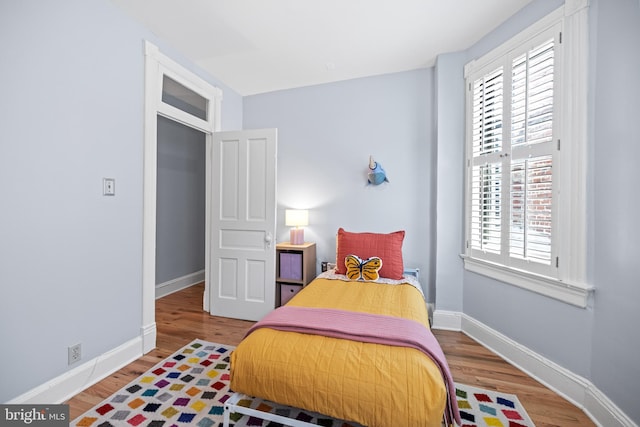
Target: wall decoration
point(376, 175)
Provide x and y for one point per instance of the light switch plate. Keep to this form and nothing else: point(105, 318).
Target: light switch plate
point(109, 187)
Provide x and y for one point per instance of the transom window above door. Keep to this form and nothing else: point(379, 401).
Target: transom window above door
point(183, 98)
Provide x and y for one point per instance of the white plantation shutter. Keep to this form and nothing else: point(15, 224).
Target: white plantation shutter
point(532, 96)
point(511, 160)
point(531, 203)
point(487, 113)
point(486, 192)
point(486, 218)
point(531, 192)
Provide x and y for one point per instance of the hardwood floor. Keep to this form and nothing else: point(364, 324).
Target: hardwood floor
point(473, 364)
point(180, 320)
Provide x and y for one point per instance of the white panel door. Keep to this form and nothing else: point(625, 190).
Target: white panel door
point(243, 224)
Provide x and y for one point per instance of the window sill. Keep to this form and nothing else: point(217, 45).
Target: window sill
point(569, 293)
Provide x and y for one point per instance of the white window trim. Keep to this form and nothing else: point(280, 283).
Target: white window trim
point(571, 293)
point(570, 286)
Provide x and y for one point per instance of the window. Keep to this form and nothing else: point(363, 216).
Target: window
point(512, 157)
point(523, 161)
point(183, 98)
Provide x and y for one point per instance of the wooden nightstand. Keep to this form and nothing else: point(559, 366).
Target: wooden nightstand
point(295, 268)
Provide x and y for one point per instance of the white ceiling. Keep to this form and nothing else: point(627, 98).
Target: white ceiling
point(257, 46)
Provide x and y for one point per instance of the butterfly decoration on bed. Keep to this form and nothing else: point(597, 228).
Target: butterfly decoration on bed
point(359, 269)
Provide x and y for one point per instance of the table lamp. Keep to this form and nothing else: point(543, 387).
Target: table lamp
point(296, 218)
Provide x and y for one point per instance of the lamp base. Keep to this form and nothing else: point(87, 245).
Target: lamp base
point(296, 236)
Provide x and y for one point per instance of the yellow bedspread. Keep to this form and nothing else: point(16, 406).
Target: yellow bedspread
point(372, 384)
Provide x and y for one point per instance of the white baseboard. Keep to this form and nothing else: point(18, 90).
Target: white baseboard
point(77, 379)
point(175, 285)
point(149, 334)
point(578, 390)
point(603, 411)
point(447, 320)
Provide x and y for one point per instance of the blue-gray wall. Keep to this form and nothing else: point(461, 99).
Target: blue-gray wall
point(180, 204)
point(71, 113)
point(449, 181)
point(615, 150)
point(325, 136)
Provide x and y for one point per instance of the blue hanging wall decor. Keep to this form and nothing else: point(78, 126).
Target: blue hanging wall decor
point(376, 175)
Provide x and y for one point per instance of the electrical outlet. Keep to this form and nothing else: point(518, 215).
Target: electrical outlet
point(74, 353)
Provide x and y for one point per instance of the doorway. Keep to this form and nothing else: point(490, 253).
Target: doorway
point(180, 207)
point(174, 93)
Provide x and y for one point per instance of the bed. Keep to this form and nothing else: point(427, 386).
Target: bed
point(355, 350)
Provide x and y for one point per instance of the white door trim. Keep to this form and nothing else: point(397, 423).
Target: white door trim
point(156, 66)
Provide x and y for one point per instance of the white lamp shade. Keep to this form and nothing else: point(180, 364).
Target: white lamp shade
point(296, 217)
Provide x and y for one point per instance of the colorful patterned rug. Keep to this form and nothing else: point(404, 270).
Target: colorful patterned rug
point(189, 388)
point(485, 408)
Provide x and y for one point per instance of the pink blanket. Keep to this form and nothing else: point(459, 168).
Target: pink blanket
point(365, 327)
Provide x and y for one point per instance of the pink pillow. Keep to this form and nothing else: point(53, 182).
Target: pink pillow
point(388, 247)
